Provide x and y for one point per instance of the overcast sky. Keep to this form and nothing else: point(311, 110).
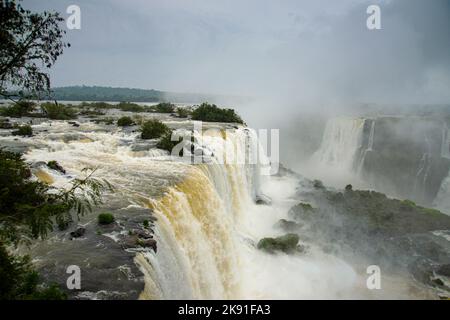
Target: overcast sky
point(304, 50)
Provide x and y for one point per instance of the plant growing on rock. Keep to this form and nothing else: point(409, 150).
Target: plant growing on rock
point(24, 131)
point(105, 218)
point(211, 113)
point(182, 112)
point(287, 244)
point(125, 122)
point(57, 111)
point(166, 143)
point(153, 129)
point(19, 109)
point(164, 107)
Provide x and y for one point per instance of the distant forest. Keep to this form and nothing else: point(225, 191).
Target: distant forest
point(97, 93)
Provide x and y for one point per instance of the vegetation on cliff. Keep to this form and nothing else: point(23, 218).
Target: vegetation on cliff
point(211, 113)
point(153, 129)
point(287, 244)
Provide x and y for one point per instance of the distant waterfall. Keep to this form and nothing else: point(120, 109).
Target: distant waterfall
point(442, 200)
point(365, 149)
point(341, 140)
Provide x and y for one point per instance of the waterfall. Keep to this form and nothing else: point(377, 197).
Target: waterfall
point(371, 136)
point(442, 200)
point(423, 172)
point(340, 142)
point(369, 147)
point(197, 221)
point(445, 147)
point(336, 160)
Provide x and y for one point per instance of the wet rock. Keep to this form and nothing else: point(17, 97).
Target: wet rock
point(263, 200)
point(302, 211)
point(5, 124)
point(135, 241)
point(79, 232)
point(148, 243)
point(287, 244)
point(287, 225)
point(74, 124)
point(56, 166)
point(143, 234)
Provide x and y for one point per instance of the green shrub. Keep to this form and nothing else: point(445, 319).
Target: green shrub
point(146, 224)
point(130, 107)
point(19, 109)
point(153, 129)
point(287, 243)
point(58, 111)
point(91, 113)
point(166, 143)
point(182, 112)
point(24, 131)
point(212, 113)
point(125, 122)
point(164, 107)
point(408, 204)
point(105, 218)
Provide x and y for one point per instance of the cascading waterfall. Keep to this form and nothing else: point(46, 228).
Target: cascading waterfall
point(442, 200)
point(423, 172)
point(340, 142)
point(336, 161)
point(369, 147)
point(199, 217)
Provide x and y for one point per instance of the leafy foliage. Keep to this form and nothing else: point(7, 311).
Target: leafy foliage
point(166, 143)
point(164, 107)
point(19, 109)
point(182, 112)
point(29, 209)
point(287, 244)
point(212, 113)
point(131, 107)
point(153, 129)
point(24, 131)
point(105, 218)
point(56, 111)
point(27, 42)
point(125, 121)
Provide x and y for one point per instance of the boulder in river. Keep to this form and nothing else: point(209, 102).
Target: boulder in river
point(79, 232)
point(287, 244)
